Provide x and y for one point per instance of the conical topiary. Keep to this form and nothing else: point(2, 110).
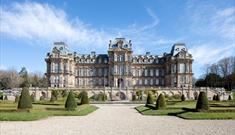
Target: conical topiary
point(161, 103)
point(229, 97)
point(32, 97)
point(202, 102)
point(70, 103)
point(84, 98)
point(25, 100)
point(214, 97)
point(183, 97)
point(217, 97)
point(149, 99)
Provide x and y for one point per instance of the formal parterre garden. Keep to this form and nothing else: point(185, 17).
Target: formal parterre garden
point(189, 109)
point(67, 105)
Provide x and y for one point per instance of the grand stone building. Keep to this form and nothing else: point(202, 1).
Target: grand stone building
point(119, 68)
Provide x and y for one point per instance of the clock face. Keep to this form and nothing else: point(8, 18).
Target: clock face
point(125, 46)
point(114, 46)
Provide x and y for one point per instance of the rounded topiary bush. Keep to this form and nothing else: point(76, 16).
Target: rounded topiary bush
point(183, 97)
point(101, 97)
point(17, 98)
point(25, 100)
point(161, 103)
point(202, 102)
point(84, 98)
point(149, 99)
point(70, 103)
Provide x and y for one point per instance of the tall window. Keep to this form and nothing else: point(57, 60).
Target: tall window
point(182, 68)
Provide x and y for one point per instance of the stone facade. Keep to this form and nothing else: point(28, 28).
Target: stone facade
point(120, 68)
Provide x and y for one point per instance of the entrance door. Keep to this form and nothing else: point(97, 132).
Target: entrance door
point(120, 82)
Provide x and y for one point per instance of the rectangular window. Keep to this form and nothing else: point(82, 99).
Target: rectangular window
point(157, 72)
point(157, 81)
point(182, 68)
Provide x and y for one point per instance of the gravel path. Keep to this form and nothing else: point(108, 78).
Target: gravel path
point(118, 120)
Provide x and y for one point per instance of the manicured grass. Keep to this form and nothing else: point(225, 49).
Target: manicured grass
point(218, 110)
point(42, 109)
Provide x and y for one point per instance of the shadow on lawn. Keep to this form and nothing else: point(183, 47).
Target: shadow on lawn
point(55, 109)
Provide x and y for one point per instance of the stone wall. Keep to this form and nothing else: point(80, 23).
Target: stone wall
point(114, 93)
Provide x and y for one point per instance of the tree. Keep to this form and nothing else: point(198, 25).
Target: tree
point(70, 103)
point(25, 99)
point(202, 102)
point(64, 93)
point(25, 79)
point(161, 103)
point(183, 97)
point(84, 98)
point(149, 99)
point(5, 83)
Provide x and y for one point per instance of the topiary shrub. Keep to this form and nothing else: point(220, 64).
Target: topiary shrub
point(54, 94)
point(5, 97)
point(84, 98)
point(64, 93)
point(53, 98)
point(17, 98)
point(101, 97)
point(32, 98)
point(25, 100)
point(229, 97)
point(42, 98)
point(183, 97)
point(133, 97)
point(149, 99)
point(217, 97)
point(176, 96)
point(1, 95)
point(202, 102)
point(214, 97)
point(70, 103)
point(161, 103)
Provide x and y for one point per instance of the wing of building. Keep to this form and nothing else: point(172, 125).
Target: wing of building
point(120, 67)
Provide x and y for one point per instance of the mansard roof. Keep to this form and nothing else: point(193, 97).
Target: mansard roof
point(61, 48)
point(178, 47)
point(120, 43)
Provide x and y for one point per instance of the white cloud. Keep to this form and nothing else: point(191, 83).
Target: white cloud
point(208, 53)
point(35, 21)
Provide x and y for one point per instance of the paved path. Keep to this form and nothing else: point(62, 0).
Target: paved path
point(118, 120)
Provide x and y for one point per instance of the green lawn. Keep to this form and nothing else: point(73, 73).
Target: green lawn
point(40, 110)
point(218, 110)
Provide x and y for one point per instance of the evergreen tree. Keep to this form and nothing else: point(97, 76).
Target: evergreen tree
point(149, 99)
point(202, 102)
point(70, 103)
point(25, 100)
point(161, 103)
point(84, 98)
point(183, 97)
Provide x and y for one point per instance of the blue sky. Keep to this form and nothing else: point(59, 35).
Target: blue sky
point(29, 28)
